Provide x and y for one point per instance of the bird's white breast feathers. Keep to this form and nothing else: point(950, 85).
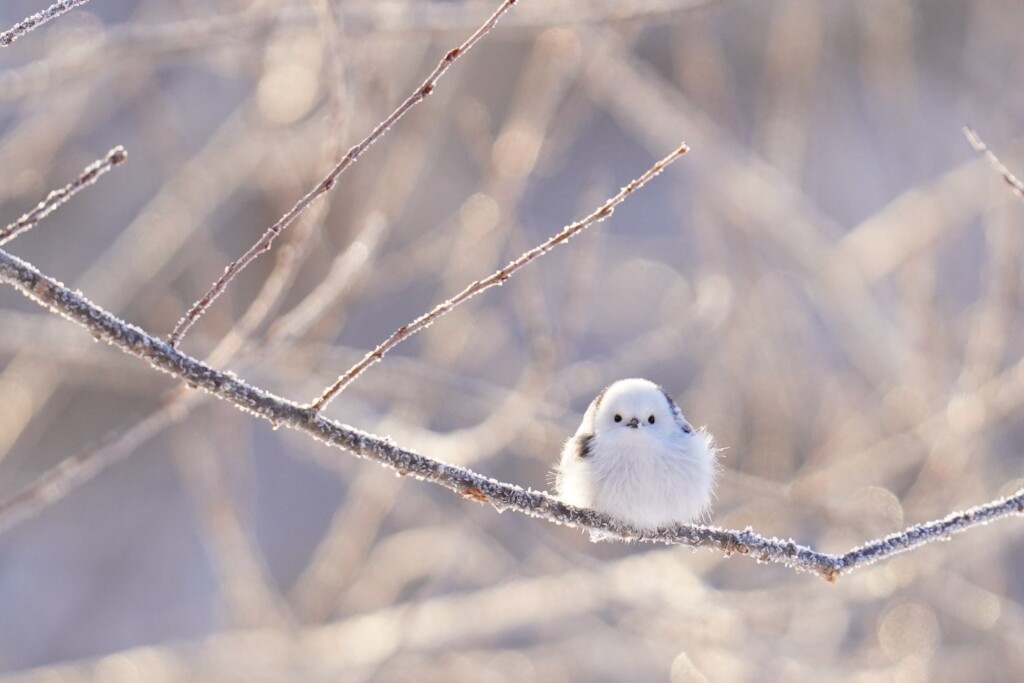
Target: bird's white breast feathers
point(641, 479)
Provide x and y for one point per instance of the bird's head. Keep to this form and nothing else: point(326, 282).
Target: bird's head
point(638, 405)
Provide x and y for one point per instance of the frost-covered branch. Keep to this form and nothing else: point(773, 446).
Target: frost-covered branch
point(38, 19)
point(58, 198)
point(263, 244)
point(976, 142)
point(496, 278)
point(279, 411)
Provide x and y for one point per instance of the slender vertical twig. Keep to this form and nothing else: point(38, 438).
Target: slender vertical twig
point(263, 244)
point(38, 19)
point(1011, 180)
point(496, 278)
point(58, 198)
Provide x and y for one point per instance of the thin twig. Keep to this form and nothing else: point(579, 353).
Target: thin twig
point(279, 411)
point(58, 198)
point(325, 185)
point(497, 278)
point(38, 19)
point(1011, 180)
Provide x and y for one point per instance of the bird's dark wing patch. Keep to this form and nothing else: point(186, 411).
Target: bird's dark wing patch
point(590, 417)
point(677, 413)
point(585, 445)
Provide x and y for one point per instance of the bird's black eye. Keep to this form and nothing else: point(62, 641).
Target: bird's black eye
point(618, 418)
point(651, 419)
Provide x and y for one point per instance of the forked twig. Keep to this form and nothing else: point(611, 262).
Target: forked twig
point(263, 244)
point(58, 198)
point(38, 19)
point(1015, 184)
point(131, 339)
point(497, 278)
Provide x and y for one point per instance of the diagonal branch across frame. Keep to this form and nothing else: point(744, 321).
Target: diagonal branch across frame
point(102, 325)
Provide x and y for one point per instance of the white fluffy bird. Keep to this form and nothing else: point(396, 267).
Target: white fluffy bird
point(637, 459)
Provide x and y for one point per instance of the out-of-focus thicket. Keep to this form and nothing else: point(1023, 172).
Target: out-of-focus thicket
point(830, 281)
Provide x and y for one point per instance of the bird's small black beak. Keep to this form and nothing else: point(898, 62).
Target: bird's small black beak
point(634, 423)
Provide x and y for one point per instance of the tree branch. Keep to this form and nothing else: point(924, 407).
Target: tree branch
point(498, 277)
point(58, 198)
point(1015, 184)
point(38, 19)
point(279, 411)
point(263, 244)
